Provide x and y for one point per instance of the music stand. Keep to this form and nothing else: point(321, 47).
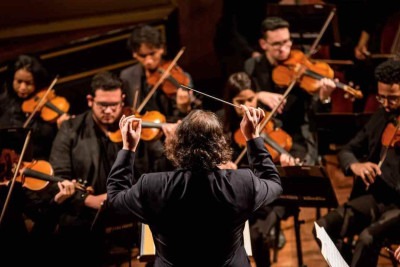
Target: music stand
point(305, 186)
point(335, 129)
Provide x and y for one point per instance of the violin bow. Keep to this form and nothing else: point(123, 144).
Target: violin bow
point(164, 75)
point(3, 211)
point(322, 31)
point(27, 139)
point(41, 102)
point(291, 85)
point(262, 126)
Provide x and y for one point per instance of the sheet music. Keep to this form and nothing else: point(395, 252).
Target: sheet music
point(328, 249)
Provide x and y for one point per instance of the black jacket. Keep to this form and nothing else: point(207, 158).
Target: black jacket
point(197, 218)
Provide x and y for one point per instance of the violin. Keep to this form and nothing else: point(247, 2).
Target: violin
point(35, 175)
point(308, 74)
point(391, 135)
point(276, 140)
point(152, 122)
point(51, 107)
point(172, 82)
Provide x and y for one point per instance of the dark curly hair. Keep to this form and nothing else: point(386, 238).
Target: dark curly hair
point(198, 143)
point(388, 72)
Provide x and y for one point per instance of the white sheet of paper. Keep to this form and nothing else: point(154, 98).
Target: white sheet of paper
point(328, 248)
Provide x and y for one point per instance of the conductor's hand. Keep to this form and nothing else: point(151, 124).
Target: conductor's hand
point(131, 128)
point(250, 124)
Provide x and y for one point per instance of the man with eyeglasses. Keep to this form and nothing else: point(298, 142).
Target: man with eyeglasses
point(83, 150)
point(295, 112)
point(373, 211)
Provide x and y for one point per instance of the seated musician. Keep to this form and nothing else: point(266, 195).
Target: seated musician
point(296, 110)
point(373, 211)
point(83, 149)
point(238, 90)
point(26, 77)
point(148, 48)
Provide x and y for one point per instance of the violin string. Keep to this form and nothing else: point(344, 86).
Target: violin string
point(210, 96)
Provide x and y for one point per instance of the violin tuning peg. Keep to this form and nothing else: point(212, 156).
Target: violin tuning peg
point(346, 96)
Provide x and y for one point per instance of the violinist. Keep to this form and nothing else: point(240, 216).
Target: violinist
point(148, 48)
point(238, 90)
point(373, 211)
point(26, 77)
point(295, 111)
point(82, 149)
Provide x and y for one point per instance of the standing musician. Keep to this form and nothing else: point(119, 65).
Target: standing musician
point(82, 149)
point(373, 155)
point(147, 47)
point(295, 111)
point(198, 205)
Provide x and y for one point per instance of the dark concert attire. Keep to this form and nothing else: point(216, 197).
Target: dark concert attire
point(150, 154)
point(373, 214)
point(197, 217)
point(82, 151)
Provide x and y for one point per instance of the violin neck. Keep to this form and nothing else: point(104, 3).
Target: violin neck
point(146, 124)
point(54, 108)
point(273, 144)
point(340, 85)
point(50, 178)
point(171, 79)
point(42, 176)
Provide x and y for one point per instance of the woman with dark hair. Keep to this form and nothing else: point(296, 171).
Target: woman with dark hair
point(26, 77)
point(238, 90)
point(198, 205)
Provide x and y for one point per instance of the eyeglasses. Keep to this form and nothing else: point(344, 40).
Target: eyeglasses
point(104, 105)
point(391, 99)
point(279, 45)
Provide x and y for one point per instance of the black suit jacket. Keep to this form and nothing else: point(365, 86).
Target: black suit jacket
point(76, 155)
point(196, 218)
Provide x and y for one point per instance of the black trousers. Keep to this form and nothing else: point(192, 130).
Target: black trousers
point(372, 220)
